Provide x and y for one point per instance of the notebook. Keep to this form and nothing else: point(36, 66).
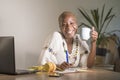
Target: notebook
point(7, 57)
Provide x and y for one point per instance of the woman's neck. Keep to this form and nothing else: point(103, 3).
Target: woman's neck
point(69, 44)
point(69, 41)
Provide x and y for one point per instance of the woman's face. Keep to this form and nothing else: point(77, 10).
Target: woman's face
point(68, 26)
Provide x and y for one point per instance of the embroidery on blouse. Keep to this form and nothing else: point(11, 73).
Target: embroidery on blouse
point(51, 51)
point(74, 53)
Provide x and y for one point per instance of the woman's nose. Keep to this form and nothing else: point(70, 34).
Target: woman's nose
point(69, 26)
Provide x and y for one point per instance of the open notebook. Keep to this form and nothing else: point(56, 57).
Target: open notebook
point(72, 70)
point(7, 57)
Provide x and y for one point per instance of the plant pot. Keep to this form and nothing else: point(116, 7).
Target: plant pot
point(119, 51)
point(101, 51)
point(117, 66)
point(100, 56)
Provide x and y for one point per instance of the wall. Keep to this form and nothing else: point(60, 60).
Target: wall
point(30, 21)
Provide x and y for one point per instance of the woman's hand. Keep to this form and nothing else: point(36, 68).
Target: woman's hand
point(94, 35)
point(64, 65)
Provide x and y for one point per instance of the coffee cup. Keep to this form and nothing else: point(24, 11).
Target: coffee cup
point(85, 33)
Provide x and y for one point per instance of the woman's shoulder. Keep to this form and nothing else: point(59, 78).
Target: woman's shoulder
point(53, 37)
point(57, 34)
point(77, 36)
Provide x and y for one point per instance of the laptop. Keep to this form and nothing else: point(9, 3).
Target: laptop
point(7, 57)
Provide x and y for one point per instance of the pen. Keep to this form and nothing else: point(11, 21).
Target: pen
point(67, 60)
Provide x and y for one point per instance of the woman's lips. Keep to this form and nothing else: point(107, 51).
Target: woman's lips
point(69, 32)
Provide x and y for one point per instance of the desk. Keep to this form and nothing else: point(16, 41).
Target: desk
point(91, 74)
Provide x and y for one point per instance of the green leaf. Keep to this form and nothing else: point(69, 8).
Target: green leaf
point(87, 17)
point(84, 25)
point(106, 18)
point(101, 18)
point(110, 18)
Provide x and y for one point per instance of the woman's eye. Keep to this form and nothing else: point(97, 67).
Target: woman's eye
point(63, 24)
point(72, 23)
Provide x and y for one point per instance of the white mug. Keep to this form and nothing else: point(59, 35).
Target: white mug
point(85, 33)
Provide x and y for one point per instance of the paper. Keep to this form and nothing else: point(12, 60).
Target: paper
point(71, 70)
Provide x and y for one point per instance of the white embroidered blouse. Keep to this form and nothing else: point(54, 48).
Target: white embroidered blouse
point(55, 47)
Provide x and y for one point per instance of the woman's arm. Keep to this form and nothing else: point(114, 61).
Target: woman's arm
point(92, 54)
point(51, 48)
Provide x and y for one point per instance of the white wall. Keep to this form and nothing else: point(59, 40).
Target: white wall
point(30, 21)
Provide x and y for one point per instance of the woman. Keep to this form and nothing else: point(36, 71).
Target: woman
point(65, 48)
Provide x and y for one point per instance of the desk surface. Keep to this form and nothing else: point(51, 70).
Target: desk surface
point(91, 74)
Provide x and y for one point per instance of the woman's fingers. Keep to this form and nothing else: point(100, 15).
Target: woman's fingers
point(64, 65)
point(94, 34)
point(93, 29)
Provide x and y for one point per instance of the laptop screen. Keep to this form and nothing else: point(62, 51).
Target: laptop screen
point(7, 56)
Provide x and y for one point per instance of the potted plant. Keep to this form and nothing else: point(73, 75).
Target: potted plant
point(100, 21)
point(118, 44)
point(119, 48)
point(117, 62)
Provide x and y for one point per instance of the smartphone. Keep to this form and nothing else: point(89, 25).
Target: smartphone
point(55, 74)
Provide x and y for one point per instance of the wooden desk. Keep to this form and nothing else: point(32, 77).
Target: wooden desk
point(92, 74)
